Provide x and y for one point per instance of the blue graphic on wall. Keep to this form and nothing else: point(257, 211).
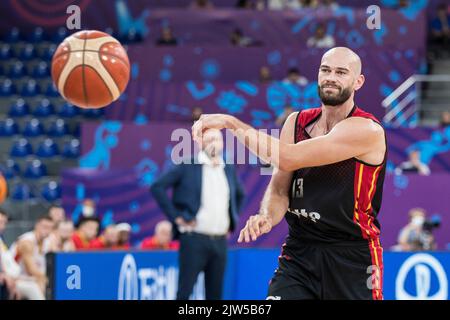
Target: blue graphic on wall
point(231, 102)
point(200, 93)
point(210, 69)
point(303, 22)
point(105, 139)
point(280, 95)
point(140, 119)
point(348, 13)
point(274, 57)
point(432, 147)
point(168, 163)
point(410, 12)
point(247, 87)
point(107, 219)
point(259, 117)
point(146, 171)
point(80, 193)
point(127, 23)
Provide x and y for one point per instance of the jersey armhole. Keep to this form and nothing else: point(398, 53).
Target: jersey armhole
point(385, 144)
point(297, 118)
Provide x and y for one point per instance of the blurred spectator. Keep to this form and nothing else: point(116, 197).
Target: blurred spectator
point(202, 4)
point(89, 208)
point(29, 252)
point(413, 165)
point(445, 119)
point(283, 116)
point(292, 4)
point(87, 230)
point(167, 38)
point(238, 39)
point(294, 77)
point(265, 75)
point(108, 239)
point(440, 26)
point(57, 214)
point(196, 113)
point(244, 4)
point(124, 231)
point(61, 238)
point(7, 283)
point(414, 237)
point(260, 5)
point(329, 4)
point(403, 4)
point(162, 240)
point(321, 39)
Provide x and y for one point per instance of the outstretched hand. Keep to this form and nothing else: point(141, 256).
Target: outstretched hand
point(256, 226)
point(217, 121)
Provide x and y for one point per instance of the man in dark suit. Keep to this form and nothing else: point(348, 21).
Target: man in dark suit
point(204, 207)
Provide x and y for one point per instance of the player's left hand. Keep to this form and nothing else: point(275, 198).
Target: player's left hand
point(209, 121)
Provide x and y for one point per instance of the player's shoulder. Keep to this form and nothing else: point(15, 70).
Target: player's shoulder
point(360, 113)
point(303, 117)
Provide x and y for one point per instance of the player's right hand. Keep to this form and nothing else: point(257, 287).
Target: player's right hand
point(256, 226)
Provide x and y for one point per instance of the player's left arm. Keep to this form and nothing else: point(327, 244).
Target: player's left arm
point(352, 137)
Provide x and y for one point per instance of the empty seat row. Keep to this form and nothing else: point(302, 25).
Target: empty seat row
point(35, 128)
point(18, 69)
point(50, 191)
point(30, 88)
point(37, 35)
point(45, 108)
point(47, 148)
point(27, 52)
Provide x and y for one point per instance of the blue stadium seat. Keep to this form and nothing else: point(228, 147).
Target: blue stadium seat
point(8, 128)
point(68, 110)
point(22, 191)
point(60, 35)
point(58, 128)
point(72, 149)
point(10, 169)
point(47, 54)
point(77, 130)
point(7, 88)
point(51, 90)
point(44, 109)
point(30, 89)
point(93, 113)
point(27, 53)
point(17, 70)
point(47, 149)
point(41, 70)
point(13, 36)
point(33, 128)
point(19, 108)
point(5, 52)
point(35, 170)
point(21, 148)
point(37, 35)
point(51, 191)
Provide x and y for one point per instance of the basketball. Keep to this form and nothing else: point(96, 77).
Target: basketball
point(90, 69)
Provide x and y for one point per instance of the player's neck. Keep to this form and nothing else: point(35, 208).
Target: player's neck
point(333, 114)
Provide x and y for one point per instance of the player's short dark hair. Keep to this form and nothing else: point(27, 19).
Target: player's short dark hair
point(84, 220)
point(4, 213)
point(293, 70)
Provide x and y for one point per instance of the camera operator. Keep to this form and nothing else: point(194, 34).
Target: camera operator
point(417, 234)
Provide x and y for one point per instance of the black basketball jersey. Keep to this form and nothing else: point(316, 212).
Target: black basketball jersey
point(338, 202)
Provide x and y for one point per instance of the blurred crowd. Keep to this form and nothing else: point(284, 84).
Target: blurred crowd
point(23, 265)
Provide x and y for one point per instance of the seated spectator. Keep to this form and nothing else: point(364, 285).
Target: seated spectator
point(29, 252)
point(87, 230)
point(403, 4)
point(167, 38)
point(264, 75)
point(329, 4)
point(61, 238)
point(162, 240)
point(292, 4)
point(124, 230)
point(89, 208)
point(321, 39)
point(414, 237)
point(201, 4)
point(57, 214)
point(7, 283)
point(196, 113)
point(413, 165)
point(282, 117)
point(445, 119)
point(294, 77)
point(440, 25)
point(238, 39)
point(244, 4)
point(108, 239)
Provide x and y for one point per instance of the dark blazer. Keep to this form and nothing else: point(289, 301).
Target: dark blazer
point(185, 180)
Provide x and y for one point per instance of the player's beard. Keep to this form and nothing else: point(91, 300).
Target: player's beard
point(334, 99)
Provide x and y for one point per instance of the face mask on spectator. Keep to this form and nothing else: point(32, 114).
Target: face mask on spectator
point(418, 221)
point(88, 211)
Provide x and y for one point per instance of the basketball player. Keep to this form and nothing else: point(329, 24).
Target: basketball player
point(330, 165)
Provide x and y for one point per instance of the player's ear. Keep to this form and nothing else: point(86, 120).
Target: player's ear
point(359, 82)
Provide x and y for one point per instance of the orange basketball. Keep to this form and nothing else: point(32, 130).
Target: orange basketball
point(3, 189)
point(90, 69)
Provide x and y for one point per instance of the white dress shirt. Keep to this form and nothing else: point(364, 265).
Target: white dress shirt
point(213, 217)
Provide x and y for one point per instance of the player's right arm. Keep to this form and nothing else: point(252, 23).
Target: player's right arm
point(25, 249)
point(276, 198)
